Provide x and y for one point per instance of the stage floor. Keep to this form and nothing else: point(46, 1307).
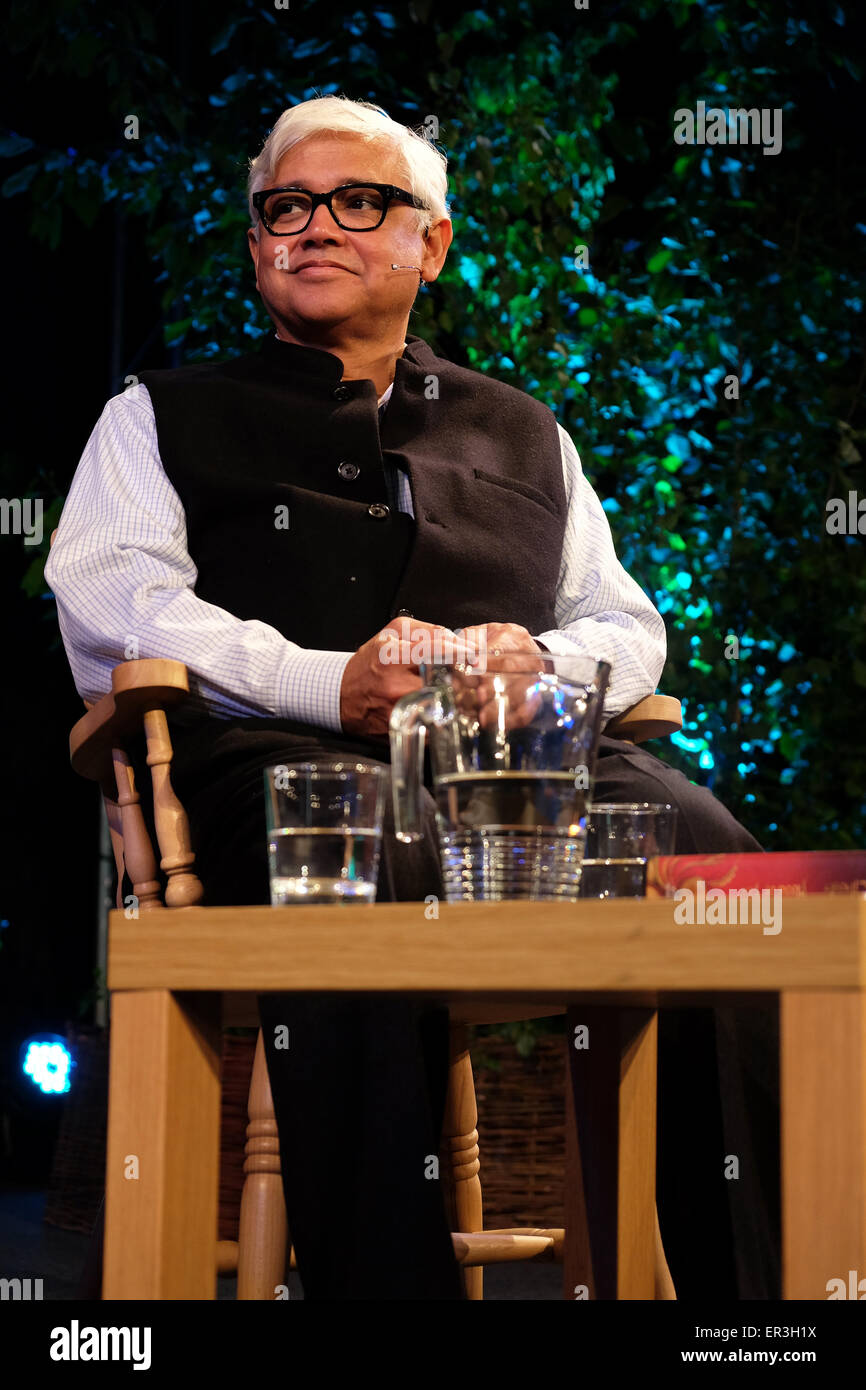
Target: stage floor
point(33, 1250)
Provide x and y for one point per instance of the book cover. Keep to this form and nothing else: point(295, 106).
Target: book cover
point(793, 872)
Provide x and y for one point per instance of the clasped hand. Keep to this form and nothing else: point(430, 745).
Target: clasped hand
point(387, 667)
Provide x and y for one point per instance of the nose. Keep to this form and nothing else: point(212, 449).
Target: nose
point(322, 228)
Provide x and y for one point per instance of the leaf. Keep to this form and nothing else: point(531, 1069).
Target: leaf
point(12, 145)
point(20, 181)
point(235, 81)
point(310, 48)
point(173, 332)
point(613, 206)
point(33, 579)
point(224, 38)
point(658, 261)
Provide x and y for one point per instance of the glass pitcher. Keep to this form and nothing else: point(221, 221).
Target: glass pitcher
point(512, 752)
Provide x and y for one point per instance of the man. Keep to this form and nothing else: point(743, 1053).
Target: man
point(267, 520)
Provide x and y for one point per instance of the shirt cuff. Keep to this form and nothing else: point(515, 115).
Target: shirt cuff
point(557, 645)
point(309, 687)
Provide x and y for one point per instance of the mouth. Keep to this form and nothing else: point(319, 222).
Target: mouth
point(317, 268)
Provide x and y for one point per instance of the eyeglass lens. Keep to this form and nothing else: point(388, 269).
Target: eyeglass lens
point(354, 208)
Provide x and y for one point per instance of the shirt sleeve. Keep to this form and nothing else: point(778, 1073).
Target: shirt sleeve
point(600, 611)
point(124, 584)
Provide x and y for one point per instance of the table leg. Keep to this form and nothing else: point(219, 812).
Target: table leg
point(610, 1153)
point(823, 1092)
point(162, 1160)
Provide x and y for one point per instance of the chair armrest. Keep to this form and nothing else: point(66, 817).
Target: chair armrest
point(136, 686)
point(141, 692)
point(656, 716)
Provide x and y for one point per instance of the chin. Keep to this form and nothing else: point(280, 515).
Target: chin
point(301, 320)
point(323, 301)
point(322, 315)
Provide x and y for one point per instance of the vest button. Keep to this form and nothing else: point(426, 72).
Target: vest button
point(379, 511)
point(342, 393)
point(349, 471)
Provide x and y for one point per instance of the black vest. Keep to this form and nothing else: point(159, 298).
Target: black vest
point(243, 440)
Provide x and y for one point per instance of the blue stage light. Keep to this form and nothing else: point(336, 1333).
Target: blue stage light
point(46, 1059)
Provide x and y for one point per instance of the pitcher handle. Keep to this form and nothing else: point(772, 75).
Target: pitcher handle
point(598, 689)
point(409, 718)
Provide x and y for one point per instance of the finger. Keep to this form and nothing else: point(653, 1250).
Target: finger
point(470, 646)
point(438, 646)
point(515, 716)
point(411, 645)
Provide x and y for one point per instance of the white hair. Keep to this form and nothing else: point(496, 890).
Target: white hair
point(424, 166)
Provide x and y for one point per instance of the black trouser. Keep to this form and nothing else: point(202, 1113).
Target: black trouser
point(359, 1093)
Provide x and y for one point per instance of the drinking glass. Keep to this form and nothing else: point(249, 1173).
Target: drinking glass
point(620, 838)
point(324, 831)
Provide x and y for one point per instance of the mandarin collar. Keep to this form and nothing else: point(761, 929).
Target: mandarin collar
point(327, 366)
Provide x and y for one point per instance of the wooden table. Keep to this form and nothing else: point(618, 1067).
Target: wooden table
point(613, 964)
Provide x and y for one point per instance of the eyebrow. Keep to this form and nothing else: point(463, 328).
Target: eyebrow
point(341, 184)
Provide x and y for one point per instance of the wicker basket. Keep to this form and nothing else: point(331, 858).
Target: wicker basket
point(521, 1131)
point(520, 1125)
point(238, 1056)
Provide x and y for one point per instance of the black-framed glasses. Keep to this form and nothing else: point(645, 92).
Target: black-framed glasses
point(356, 207)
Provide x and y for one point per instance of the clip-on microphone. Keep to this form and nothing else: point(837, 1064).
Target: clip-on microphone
point(421, 279)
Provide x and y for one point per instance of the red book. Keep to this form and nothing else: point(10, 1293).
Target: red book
point(793, 873)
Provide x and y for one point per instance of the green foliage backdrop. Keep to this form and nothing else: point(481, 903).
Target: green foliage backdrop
point(701, 263)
